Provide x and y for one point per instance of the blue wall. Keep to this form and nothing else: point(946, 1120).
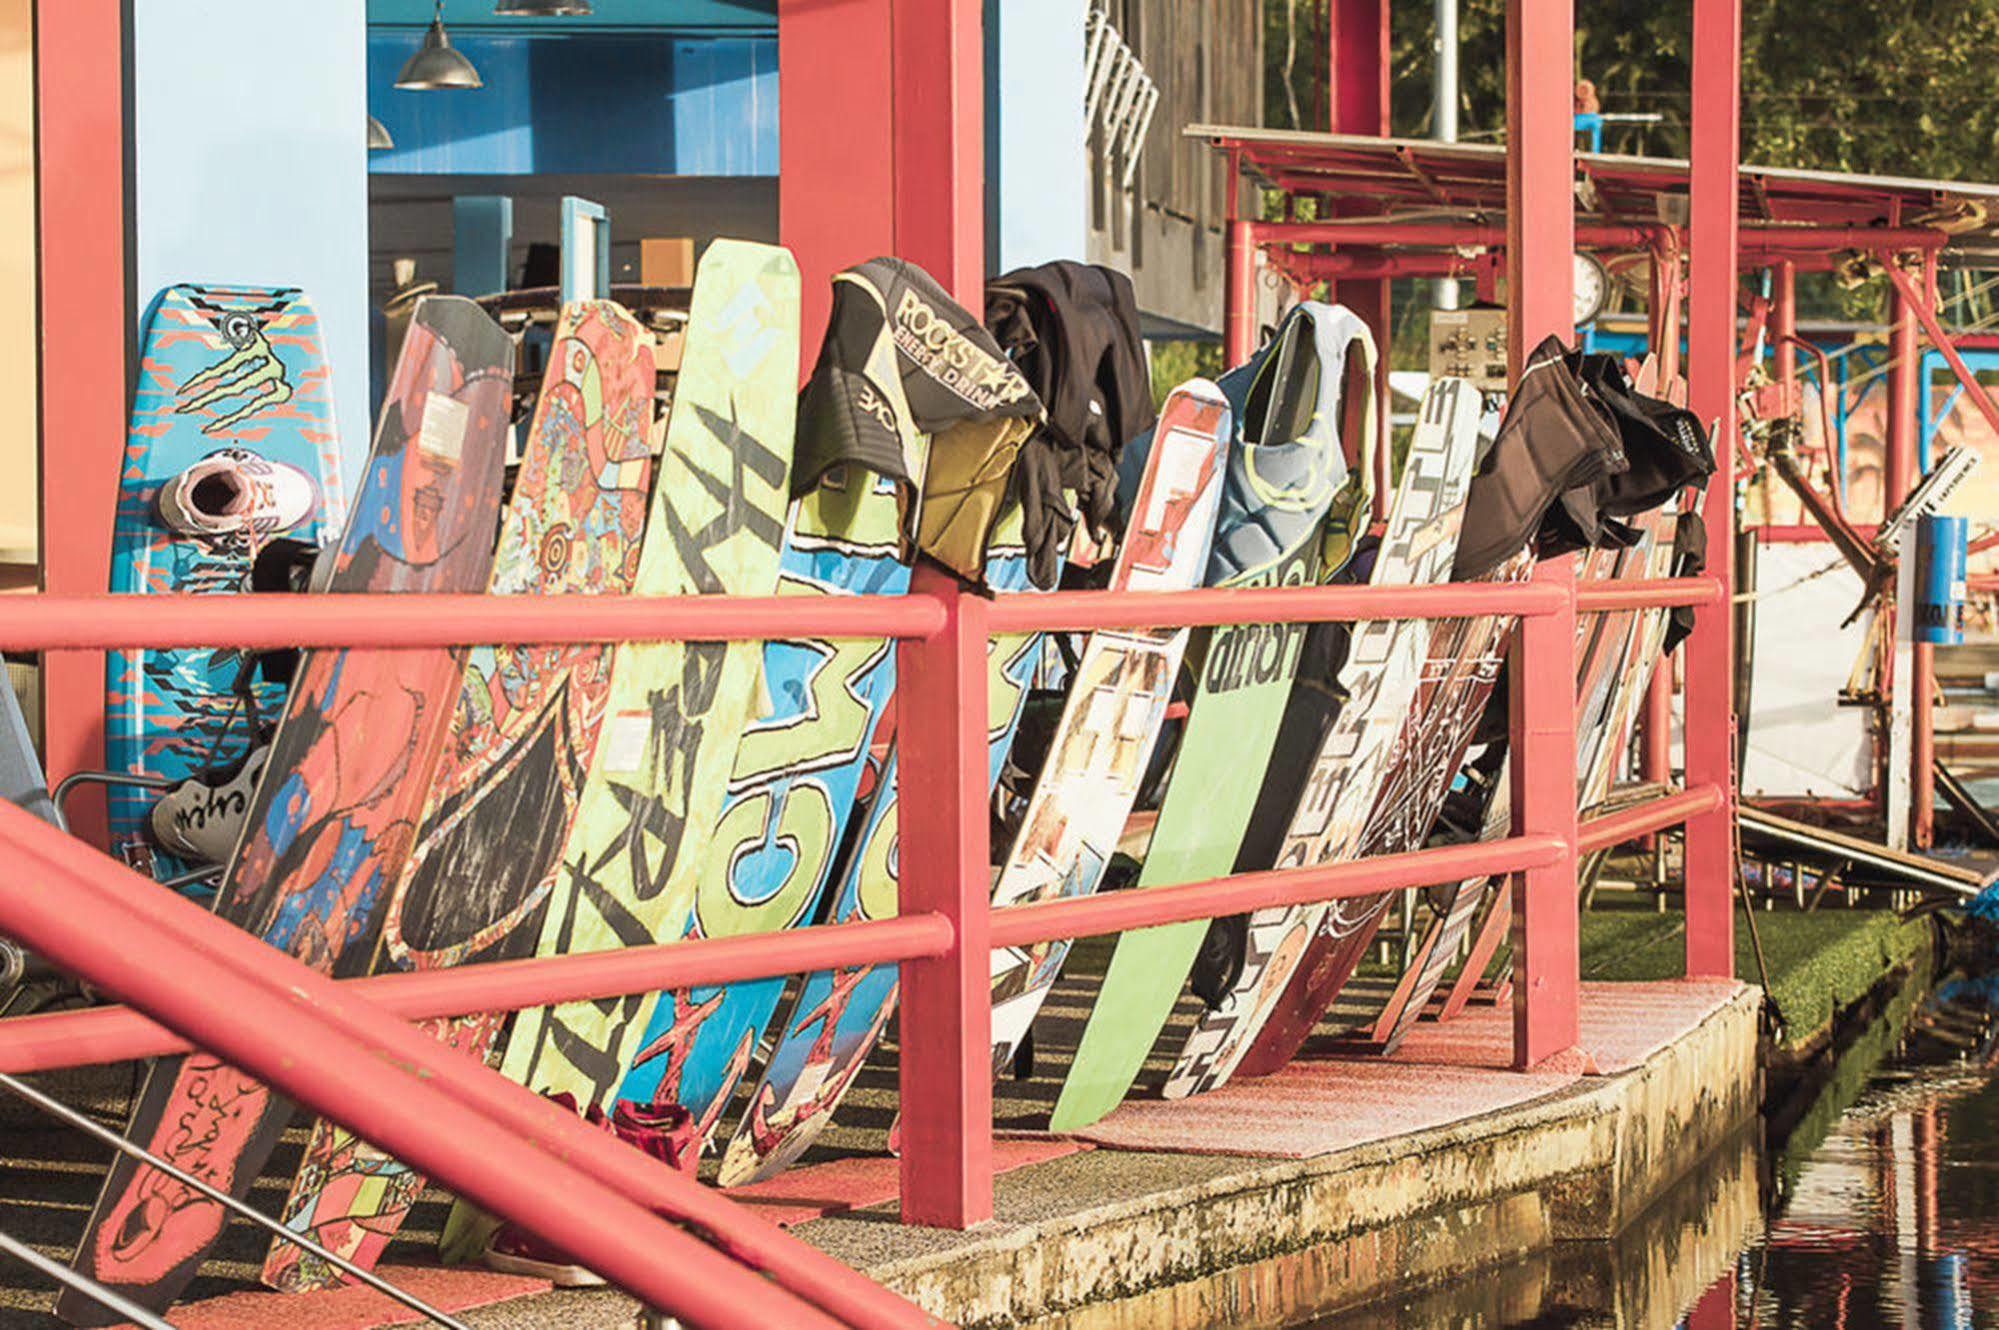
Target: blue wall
point(634, 103)
point(1037, 154)
point(251, 164)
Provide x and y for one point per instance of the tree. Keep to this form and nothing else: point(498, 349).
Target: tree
point(1881, 89)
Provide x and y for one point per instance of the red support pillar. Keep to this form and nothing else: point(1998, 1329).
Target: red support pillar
point(1898, 473)
point(836, 149)
point(946, 1057)
point(1239, 276)
point(1542, 704)
point(1358, 92)
point(881, 147)
point(939, 133)
point(1905, 387)
point(1710, 721)
point(1541, 153)
point(1359, 78)
point(882, 151)
point(84, 318)
point(1784, 324)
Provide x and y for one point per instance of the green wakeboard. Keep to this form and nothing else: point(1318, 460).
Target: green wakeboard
point(677, 711)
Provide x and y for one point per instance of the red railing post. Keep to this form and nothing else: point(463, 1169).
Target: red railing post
point(1708, 723)
point(1542, 706)
point(1238, 273)
point(85, 317)
point(1540, 163)
point(946, 1007)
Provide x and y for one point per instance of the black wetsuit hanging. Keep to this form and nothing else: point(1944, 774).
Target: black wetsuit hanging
point(900, 359)
point(1072, 328)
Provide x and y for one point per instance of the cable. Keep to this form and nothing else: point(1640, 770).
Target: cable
point(65, 1113)
point(90, 1288)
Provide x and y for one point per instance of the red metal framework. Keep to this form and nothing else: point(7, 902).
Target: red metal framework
point(880, 154)
point(342, 1049)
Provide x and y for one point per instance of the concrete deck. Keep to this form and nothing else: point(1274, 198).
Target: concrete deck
point(1336, 1182)
point(1116, 1238)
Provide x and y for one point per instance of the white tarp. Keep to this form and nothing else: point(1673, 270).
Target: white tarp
point(1801, 742)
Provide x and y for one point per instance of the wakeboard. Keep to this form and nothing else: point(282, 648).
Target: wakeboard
point(1116, 706)
point(837, 1016)
point(792, 796)
point(504, 793)
point(1379, 679)
point(220, 367)
point(628, 869)
point(1460, 904)
point(1451, 696)
point(327, 833)
point(1276, 529)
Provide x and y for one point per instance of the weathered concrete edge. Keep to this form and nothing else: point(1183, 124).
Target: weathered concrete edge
point(1593, 1156)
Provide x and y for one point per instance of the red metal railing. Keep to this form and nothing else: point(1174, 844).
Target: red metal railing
point(343, 1048)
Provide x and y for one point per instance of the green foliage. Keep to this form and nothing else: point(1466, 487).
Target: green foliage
point(1173, 363)
point(1881, 89)
point(1875, 89)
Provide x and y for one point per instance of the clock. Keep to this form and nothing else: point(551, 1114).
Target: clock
point(1592, 287)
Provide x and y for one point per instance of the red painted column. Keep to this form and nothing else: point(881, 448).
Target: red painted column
point(939, 134)
point(1239, 274)
point(1540, 166)
point(946, 1056)
point(1710, 721)
point(1899, 476)
point(1542, 707)
point(836, 151)
point(85, 316)
point(1358, 93)
point(1784, 323)
point(1359, 78)
point(882, 152)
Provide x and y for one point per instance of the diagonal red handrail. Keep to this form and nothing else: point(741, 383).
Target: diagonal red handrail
point(498, 1144)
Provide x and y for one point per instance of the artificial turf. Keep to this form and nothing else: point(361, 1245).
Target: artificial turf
point(1819, 963)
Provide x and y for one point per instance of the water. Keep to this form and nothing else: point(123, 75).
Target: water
point(1876, 1206)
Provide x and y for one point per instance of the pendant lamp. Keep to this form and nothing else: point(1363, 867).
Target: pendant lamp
point(436, 64)
point(540, 8)
point(378, 136)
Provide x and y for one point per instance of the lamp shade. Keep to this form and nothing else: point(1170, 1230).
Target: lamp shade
point(378, 136)
point(540, 8)
point(436, 64)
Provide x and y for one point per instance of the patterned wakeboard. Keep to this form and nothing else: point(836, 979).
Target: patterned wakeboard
point(628, 871)
point(1461, 903)
point(797, 776)
point(837, 1016)
point(1379, 678)
point(1116, 705)
point(219, 367)
point(1451, 696)
point(1245, 677)
point(327, 831)
point(504, 793)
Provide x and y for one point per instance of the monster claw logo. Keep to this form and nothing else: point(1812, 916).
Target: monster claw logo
point(251, 372)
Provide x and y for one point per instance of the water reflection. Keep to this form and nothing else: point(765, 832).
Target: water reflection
point(1881, 1210)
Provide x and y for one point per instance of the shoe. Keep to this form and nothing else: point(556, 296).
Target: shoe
point(234, 490)
point(667, 1132)
point(202, 818)
point(664, 1131)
